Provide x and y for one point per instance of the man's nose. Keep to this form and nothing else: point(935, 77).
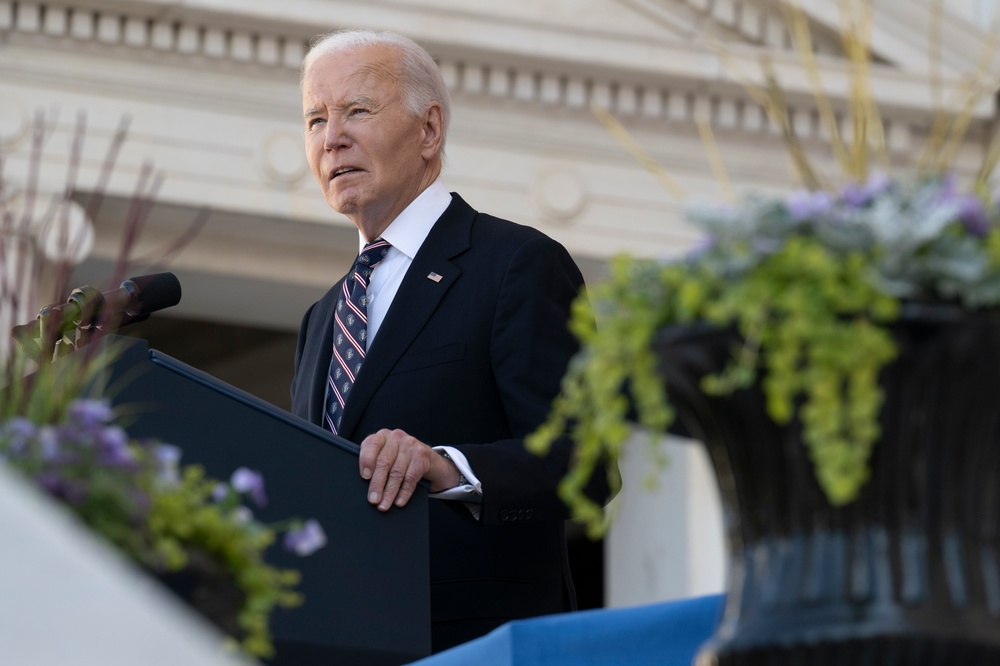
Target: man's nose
point(335, 136)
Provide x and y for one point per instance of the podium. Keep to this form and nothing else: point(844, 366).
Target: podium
point(367, 592)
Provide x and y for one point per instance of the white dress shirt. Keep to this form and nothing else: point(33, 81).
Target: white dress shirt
point(406, 234)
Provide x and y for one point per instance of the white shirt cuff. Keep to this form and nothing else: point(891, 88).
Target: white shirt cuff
point(470, 490)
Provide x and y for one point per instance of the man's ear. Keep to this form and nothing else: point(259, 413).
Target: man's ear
point(433, 131)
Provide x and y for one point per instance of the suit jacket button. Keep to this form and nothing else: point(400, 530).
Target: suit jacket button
point(504, 515)
point(527, 514)
point(520, 514)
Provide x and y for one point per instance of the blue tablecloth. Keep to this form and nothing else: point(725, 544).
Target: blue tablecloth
point(663, 634)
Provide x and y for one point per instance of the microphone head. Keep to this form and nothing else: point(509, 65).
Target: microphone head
point(155, 291)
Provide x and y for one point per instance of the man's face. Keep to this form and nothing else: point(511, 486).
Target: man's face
point(370, 156)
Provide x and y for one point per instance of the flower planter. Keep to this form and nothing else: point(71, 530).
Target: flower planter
point(909, 573)
point(209, 590)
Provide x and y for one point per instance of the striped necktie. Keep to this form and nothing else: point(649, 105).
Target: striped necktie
point(350, 331)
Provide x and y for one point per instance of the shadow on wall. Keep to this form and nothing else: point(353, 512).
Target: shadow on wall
point(255, 360)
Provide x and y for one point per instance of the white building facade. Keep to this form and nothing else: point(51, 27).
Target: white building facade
point(209, 91)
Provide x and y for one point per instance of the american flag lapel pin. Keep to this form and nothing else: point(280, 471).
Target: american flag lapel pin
point(434, 277)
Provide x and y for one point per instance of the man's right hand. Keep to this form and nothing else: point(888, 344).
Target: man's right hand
point(394, 462)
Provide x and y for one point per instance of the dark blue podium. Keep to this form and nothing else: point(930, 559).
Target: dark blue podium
point(367, 593)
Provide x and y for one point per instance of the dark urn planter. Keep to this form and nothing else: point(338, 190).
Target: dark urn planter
point(907, 574)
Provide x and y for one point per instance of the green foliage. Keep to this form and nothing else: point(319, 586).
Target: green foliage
point(57, 431)
point(42, 394)
point(134, 494)
point(593, 395)
point(811, 284)
point(184, 517)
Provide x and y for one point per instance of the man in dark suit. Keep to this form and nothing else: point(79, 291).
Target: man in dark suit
point(453, 336)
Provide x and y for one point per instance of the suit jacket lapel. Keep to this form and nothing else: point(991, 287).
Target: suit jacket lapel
point(414, 304)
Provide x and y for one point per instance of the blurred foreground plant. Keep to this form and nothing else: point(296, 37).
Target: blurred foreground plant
point(57, 428)
point(810, 281)
point(167, 517)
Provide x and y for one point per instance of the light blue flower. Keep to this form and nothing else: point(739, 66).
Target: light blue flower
point(168, 459)
point(247, 481)
point(48, 442)
point(220, 492)
point(242, 515)
point(307, 539)
point(809, 205)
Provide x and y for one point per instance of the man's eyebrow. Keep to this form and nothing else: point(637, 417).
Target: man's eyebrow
point(361, 100)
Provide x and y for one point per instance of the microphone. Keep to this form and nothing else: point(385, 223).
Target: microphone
point(88, 307)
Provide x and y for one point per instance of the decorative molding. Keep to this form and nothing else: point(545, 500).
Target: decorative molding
point(522, 83)
point(282, 160)
point(141, 32)
point(560, 193)
point(56, 226)
point(765, 26)
point(642, 103)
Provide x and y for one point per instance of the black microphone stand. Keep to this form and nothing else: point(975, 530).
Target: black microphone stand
point(61, 328)
point(58, 331)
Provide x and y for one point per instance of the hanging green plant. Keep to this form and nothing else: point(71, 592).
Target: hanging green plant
point(810, 283)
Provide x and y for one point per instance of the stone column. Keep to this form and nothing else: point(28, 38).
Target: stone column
point(666, 539)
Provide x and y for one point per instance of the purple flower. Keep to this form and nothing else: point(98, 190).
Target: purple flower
point(111, 437)
point(17, 432)
point(809, 205)
point(48, 440)
point(113, 448)
point(90, 413)
point(701, 246)
point(248, 481)
point(305, 540)
point(947, 185)
point(971, 210)
point(50, 481)
point(857, 195)
point(73, 492)
point(220, 492)
point(972, 214)
point(119, 456)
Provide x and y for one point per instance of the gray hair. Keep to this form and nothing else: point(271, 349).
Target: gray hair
point(422, 82)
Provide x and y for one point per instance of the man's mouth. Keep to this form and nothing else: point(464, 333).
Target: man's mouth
point(342, 171)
